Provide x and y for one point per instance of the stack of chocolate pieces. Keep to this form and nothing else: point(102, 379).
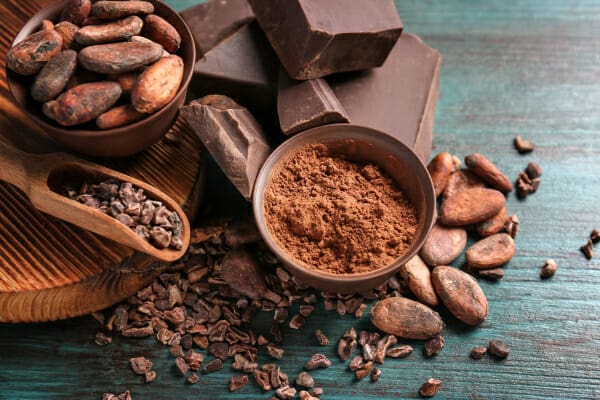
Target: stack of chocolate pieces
point(298, 64)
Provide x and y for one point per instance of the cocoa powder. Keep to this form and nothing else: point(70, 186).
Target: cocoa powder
point(337, 215)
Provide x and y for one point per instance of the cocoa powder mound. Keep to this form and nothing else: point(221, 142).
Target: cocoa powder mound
point(337, 215)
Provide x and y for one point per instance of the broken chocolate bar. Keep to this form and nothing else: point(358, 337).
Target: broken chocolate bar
point(305, 104)
point(215, 20)
point(244, 68)
point(315, 38)
point(232, 136)
point(398, 98)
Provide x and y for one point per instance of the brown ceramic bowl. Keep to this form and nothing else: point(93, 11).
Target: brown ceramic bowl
point(116, 142)
point(364, 145)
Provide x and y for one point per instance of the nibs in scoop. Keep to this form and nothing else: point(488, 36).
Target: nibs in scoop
point(306, 104)
point(315, 38)
point(232, 136)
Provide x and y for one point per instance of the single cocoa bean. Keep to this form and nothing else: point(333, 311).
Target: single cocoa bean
point(491, 252)
point(440, 168)
point(54, 76)
point(158, 84)
point(162, 32)
point(120, 9)
point(461, 180)
point(406, 318)
point(486, 170)
point(118, 116)
point(471, 206)
point(83, 103)
point(76, 11)
point(29, 55)
point(114, 31)
point(46, 24)
point(117, 58)
point(418, 277)
point(492, 225)
point(443, 245)
point(461, 294)
point(67, 31)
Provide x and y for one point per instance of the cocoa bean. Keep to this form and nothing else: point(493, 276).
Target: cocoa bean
point(241, 271)
point(54, 76)
point(486, 170)
point(461, 180)
point(418, 277)
point(120, 9)
point(29, 55)
point(76, 11)
point(118, 116)
point(406, 318)
point(443, 245)
point(471, 206)
point(492, 225)
point(83, 103)
point(115, 31)
point(461, 294)
point(491, 252)
point(67, 31)
point(440, 168)
point(142, 39)
point(158, 84)
point(162, 32)
point(117, 58)
point(46, 24)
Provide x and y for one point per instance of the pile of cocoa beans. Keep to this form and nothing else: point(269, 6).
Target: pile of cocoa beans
point(108, 61)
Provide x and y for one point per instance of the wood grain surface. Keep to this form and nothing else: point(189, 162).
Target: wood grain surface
point(50, 269)
point(528, 67)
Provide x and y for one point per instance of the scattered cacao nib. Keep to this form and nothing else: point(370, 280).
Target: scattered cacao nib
point(375, 374)
point(587, 249)
point(477, 353)
point(150, 376)
point(523, 146)
point(361, 373)
point(382, 347)
point(213, 365)
point(493, 274)
point(511, 226)
point(549, 269)
point(102, 339)
point(286, 392)
point(238, 382)
point(317, 361)
point(434, 346)
point(430, 387)
point(305, 379)
point(400, 351)
point(123, 396)
point(533, 170)
point(304, 395)
point(321, 338)
point(529, 180)
point(140, 365)
point(357, 363)
point(193, 378)
point(595, 236)
point(274, 351)
point(499, 349)
point(182, 366)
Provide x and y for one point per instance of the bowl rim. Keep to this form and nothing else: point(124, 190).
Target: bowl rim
point(315, 136)
point(99, 133)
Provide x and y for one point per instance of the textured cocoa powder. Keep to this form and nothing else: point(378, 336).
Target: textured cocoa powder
point(337, 215)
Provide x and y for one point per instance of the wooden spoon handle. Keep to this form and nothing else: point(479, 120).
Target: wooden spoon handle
point(13, 166)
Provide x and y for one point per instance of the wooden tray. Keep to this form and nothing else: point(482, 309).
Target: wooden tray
point(52, 270)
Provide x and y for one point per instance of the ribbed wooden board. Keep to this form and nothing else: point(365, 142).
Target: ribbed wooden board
point(50, 269)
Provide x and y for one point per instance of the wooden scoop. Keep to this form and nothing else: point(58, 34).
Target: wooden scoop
point(42, 177)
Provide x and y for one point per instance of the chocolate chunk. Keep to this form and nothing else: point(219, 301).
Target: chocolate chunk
point(305, 104)
point(233, 137)
point(215, 20)
point(398, 98)
point(242, 67)
point(314, 38)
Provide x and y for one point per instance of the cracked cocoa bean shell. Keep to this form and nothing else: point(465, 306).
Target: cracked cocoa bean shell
point(461, 294)
point(406, 318)
point(491, 252)
point(471, 206)
point(443, 245)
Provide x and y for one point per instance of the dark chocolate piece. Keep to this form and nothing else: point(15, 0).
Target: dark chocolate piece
point(315, 38)
point(232, 136)
point(244, 68)
point(305, 104)
point(215, 20)
point(398, 98)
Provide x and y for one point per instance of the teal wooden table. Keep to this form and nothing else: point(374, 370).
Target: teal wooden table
point(519, 67)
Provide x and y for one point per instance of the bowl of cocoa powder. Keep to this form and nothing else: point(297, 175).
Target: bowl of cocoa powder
point(344, 206)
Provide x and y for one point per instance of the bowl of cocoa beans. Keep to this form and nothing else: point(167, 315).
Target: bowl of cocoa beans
point(102, 78)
